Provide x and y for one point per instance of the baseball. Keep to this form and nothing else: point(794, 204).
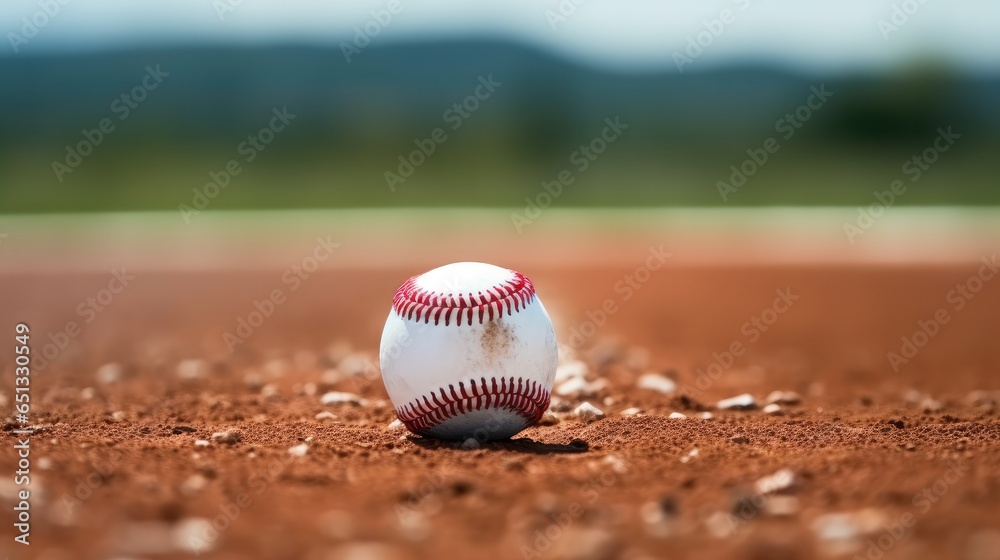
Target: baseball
point(468, 351)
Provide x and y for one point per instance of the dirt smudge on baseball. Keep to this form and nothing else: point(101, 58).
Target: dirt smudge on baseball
point(497, 340)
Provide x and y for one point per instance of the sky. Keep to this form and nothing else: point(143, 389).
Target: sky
point(627, 34)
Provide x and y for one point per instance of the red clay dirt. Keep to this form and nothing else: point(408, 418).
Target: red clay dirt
point(885, 464)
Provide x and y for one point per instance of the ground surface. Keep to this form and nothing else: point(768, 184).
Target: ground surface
point(910, 457)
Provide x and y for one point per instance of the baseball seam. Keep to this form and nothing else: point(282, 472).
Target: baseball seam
point(412, 302)
point(527, 398)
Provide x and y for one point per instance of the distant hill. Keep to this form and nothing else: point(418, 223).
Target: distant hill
point(358, 117)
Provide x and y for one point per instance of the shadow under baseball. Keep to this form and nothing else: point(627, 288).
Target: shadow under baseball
point(518, 445)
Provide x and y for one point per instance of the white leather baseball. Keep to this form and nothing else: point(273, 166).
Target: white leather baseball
point(468, 351)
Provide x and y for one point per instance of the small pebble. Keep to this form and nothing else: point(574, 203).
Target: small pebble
point(299, 450)
point(706, 416)
point(192, 369)
point(548, 419)
point(396, 426)
point(193, 484)
point(269, 391)
point(690, 456)
point(783, 397)
point(587, 412)
point(633, 411)
point(777, 482)
point(118, 415)
point(676, 416)
point(658, 383)
point(577, 387)
point(253, 381)
point(229, 437)
point(201, 443)
point(559, 405)
point(981, 398)
point(930, 405)
point(189, 535)
point(337, 397)
point(325, 415)
point(574, 369)
point(772, 409)
point(739, 402)
point(109, 374)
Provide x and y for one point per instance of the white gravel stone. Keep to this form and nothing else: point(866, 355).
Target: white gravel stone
point(739, 402)
point(228, 437)
point(772, 409)
point(573, 387)
point(633, 411)
point(783, 397)
point(338, 397)
point(201, 443)
point(587, 412)
point(777, 482)
point(690, 456)
point(299, 450)
point(109, 374)
point(193, 485)
point(676, 416)
point(325, 415)
point(189, 535)
point(396, 426)
point(192, 369)
point(658, 383)
point(574, 369)
point(118, 415)
point(706, 415)
point(842, 533)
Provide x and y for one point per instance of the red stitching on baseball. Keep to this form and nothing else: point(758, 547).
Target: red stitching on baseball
point(528, 400)
point(418, 304)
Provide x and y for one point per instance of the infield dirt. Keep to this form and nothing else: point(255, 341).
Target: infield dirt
point(883, 460)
